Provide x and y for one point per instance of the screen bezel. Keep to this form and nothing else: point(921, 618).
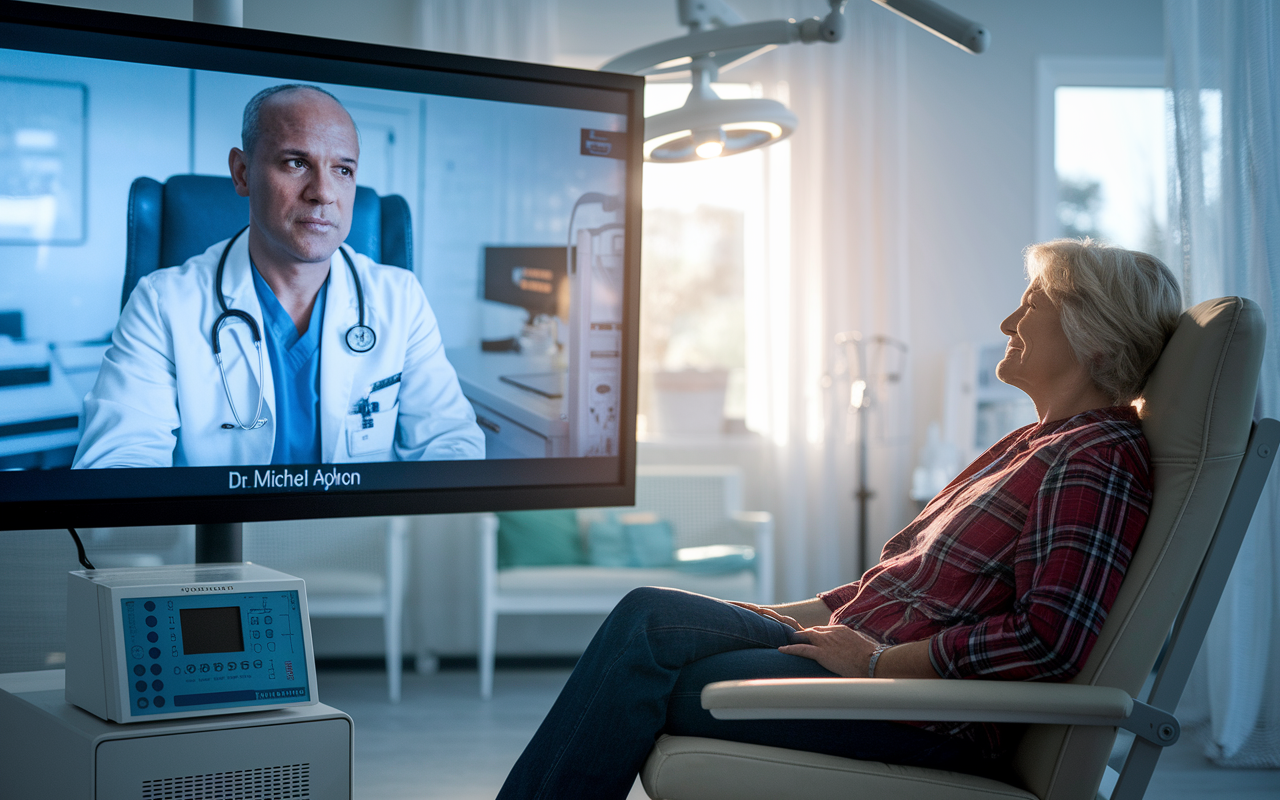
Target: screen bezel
point(151, 40)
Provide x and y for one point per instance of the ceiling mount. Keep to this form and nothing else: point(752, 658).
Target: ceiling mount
point(708, 126)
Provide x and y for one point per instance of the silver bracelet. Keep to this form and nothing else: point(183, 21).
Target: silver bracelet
point(875, 656)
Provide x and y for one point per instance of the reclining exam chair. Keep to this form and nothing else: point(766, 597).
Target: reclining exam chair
point(1209, 468)
point(172, 221)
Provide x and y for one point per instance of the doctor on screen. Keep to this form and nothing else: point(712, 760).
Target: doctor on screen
point(278, 346)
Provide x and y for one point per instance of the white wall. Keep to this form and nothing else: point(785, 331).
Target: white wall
point(138, 124)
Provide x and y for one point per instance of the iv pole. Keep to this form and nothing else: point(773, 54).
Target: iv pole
point(861, 401)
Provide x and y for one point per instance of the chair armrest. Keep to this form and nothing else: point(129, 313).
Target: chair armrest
point(938, 700)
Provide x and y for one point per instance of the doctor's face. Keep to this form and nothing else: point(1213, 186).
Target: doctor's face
point(300, 179)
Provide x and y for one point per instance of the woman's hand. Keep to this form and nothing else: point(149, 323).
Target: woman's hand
point(799, 615)
point(765, 611)
point(838, 648)
point(847, 652)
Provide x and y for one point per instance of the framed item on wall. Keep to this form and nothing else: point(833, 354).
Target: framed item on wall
point(42, 161)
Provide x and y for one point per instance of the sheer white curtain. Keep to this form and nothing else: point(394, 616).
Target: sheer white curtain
point(1224, 72)
point(834, 260)
point(521, 30)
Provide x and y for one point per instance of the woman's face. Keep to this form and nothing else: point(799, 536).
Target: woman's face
point(1038, 357)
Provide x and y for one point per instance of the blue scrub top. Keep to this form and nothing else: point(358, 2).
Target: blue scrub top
point(295, 370)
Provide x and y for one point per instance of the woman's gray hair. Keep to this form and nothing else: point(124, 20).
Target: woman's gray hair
point(251, 128)
point(1119, 307)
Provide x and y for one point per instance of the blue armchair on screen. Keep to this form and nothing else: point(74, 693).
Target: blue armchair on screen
point(172, 221)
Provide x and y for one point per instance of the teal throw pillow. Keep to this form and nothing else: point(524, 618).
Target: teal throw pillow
point(630, 540)
point(539, 539)
point(607, 544)
point(650, 542)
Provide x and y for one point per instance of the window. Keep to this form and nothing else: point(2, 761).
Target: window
point(1102, 168)
point(701, 222)
point(1109, 158)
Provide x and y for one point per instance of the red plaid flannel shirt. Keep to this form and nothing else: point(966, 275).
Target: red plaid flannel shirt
point(1010, 571)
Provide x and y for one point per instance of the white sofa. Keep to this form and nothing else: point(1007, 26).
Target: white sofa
point(704, 506)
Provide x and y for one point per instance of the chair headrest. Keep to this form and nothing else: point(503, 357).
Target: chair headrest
point(199, 210)
point(171, 222)
point(1198, 402)
point(195, 212)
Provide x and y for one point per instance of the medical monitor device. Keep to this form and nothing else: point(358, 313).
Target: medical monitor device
point(153, 643)
point(532, 278)
point(185, 403)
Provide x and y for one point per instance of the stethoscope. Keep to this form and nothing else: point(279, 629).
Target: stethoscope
point(360, 337)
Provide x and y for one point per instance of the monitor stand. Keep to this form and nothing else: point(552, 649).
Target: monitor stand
point(219, 543)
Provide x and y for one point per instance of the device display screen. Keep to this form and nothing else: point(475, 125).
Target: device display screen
point(211, 630)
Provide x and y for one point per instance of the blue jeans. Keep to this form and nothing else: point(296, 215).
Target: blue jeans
point(643, 675)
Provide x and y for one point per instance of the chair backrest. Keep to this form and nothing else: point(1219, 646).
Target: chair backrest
point(698, 501)
point(1197, 413)
point(172, 221)
point(353, 545)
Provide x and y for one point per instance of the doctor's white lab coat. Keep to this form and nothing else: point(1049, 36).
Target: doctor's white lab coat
point(159, 400)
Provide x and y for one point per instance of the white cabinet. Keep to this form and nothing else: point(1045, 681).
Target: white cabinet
point(517, 422)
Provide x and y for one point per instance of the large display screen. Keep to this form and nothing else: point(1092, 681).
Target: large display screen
point(255, 276)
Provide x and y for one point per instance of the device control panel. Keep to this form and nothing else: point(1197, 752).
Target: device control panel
point(213, 651)
point(167, 642)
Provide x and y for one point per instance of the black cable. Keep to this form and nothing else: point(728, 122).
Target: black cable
point(84, 559)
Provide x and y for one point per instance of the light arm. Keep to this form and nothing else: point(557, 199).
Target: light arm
point(942, 22)
point(732, 44)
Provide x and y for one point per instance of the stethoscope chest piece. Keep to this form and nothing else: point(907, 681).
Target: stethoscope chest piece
point(361, 338)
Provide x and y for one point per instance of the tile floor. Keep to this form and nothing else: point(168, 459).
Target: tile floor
point(442, 741)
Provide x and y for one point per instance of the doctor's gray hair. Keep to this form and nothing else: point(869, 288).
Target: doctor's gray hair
point(1119, 307)
point(251, 128)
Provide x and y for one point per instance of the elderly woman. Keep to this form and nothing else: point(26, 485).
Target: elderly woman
point(1007, 574)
